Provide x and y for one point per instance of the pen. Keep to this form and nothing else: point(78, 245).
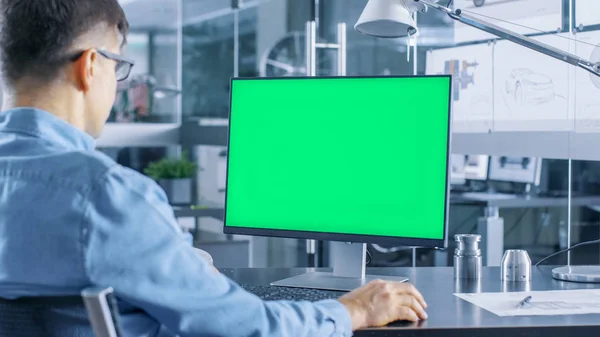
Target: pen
point(523, 302)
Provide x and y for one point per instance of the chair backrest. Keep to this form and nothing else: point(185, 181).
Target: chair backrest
point(44, 317)
point(102, 310)
point(58, 316)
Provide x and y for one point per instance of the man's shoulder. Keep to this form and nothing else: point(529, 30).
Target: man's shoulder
point(121, 190)
point(95, 159)
point(131, 179)
point(94, 169)
point(108, 171)
point(119, 177)
point(84, 166)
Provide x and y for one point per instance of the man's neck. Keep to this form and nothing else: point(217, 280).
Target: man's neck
point(65, 109)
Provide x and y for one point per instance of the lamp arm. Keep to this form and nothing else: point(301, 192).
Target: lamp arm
point(519, 39)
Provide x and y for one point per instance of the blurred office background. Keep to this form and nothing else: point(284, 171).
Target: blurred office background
point(510, 105)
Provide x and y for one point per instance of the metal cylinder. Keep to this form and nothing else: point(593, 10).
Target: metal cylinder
point(467, 286)
point(341, 52)
point(510, 287)
point(311, 48)
point(467, 257)
point(516, 266)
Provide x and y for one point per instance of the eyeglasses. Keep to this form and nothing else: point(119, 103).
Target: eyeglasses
point(123, 67)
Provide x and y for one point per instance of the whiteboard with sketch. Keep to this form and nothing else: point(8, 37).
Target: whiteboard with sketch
point(471, 70)
point(541, 15)
point(586, 12)
point(531, 91)
point(587, 93)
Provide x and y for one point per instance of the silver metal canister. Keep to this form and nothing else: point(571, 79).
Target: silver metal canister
point(516, 266)
point(467, 257)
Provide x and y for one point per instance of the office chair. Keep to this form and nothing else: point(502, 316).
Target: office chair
point(102, 310)
point(93, 314)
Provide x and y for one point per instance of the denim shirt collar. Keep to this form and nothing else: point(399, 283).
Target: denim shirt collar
point(46, 126)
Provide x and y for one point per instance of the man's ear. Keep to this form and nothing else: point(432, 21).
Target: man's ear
point(85, 69)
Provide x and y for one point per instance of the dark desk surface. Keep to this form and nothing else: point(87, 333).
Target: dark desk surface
point(450, 316)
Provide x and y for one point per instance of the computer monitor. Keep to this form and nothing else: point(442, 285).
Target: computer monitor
point(343, 159)
point(525, 170)
point(476, 167)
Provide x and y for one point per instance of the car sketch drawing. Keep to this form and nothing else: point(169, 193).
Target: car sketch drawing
point(528, 87)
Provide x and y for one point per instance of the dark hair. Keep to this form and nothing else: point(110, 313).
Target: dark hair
point(36, 35)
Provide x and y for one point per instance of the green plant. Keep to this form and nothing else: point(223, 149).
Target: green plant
point(169, 168)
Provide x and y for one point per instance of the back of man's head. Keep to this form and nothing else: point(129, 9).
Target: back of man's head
point(37, 35)
point(61, 56)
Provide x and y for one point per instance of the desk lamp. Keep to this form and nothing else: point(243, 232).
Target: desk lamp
point(394, 19)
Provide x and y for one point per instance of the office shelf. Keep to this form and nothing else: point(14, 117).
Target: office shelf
point(199, 132)
point(202, 211)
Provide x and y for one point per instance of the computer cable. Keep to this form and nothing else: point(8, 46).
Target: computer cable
point(369, 256)
point(587, 243)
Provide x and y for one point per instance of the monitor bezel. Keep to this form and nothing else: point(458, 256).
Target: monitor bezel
point(341, 237)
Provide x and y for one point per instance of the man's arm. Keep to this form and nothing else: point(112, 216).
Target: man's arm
point(133, 244)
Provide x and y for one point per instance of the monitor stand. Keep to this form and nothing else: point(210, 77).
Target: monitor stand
point(349, 266)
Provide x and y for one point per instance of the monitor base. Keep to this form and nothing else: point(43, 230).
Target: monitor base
point(579, 274)
point(328, 281)
point(349, 265)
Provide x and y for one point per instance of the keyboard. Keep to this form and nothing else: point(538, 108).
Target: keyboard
point(272, 293)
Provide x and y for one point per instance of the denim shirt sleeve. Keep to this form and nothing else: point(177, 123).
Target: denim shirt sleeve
point(134, 245)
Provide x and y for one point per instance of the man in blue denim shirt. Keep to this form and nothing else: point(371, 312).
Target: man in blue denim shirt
point(71, 217)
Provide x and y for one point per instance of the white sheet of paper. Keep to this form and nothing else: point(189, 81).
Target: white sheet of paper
point(543, 303)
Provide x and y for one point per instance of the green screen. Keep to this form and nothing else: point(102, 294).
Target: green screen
point(365, 156)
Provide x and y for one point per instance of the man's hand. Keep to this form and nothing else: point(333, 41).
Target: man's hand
point(206, 257)
point(380, 303)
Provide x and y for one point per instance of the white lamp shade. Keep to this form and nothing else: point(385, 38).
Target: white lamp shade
point(595, 58)
point(388, 19)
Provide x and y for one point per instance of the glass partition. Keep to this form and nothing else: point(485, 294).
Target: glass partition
point(366, 56)
point(585, 221)
point(152, 93)
point(208, 38)
point(512, 114)
point(518, 116)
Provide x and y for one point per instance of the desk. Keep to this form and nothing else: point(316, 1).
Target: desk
point(491, 225)
point(524, 201)
point(450, 316)
point(209, 211)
